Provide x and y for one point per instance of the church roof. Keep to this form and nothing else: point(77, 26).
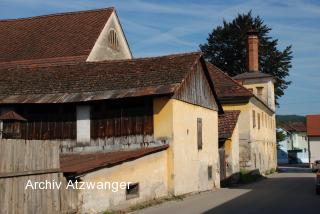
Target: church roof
point(51, 36)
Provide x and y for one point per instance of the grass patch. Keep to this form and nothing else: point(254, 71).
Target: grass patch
point(145, 204)
point(114, 212)
point(154, 202)
point(247, 176)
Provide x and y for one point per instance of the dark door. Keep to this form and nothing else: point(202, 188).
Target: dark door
point(222, 157)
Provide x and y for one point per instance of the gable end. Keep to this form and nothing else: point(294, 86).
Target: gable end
point(196, 89)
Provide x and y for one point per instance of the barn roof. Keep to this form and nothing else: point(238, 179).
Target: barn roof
point(88, 81)
point(225, 86)
point(51, 36)
point(84, 163)
point(313, 125)
point(226, 123)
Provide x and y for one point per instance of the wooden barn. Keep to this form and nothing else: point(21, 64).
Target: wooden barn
point(114, 117)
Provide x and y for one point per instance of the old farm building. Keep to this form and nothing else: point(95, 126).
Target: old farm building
point(70, 78)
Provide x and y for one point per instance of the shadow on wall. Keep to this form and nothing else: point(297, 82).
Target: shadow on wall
point(273, 195)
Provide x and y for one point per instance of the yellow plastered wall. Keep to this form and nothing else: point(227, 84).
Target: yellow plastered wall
point(187, 167)
point(260, 153)
point(232, 153)
point(149, 171)
point(191, 164)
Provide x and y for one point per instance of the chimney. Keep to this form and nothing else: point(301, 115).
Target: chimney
point(253, 44)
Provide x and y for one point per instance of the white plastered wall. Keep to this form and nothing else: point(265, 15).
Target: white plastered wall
point(101, 50)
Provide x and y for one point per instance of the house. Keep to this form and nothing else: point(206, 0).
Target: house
point(296, 143)
point(313, 132)
point(252, 93)
point(152, 122)
point(229, 147)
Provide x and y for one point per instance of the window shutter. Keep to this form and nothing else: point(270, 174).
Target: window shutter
point(199, 133)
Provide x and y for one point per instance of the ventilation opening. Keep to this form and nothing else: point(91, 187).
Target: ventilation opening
point(113, 40)
point(132, 191)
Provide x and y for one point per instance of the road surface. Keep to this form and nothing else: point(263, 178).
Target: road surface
point(291, 191)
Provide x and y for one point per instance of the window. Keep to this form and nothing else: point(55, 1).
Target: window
point(258, 121)
point(260, 91)
point(209, 172)
point(132, 191)
point(113, 40)
point(251, 90)
point(199, 133)
point(254, 118)
point(262, 119)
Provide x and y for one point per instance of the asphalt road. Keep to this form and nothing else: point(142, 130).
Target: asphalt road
point(292, 191)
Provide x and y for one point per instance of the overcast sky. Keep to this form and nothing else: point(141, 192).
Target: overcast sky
point(167, 26)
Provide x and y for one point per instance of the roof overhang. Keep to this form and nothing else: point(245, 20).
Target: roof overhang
point(88, 96)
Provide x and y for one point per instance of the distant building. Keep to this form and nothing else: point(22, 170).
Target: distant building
point(313, 132)
point(252, 93)
point(296, 143)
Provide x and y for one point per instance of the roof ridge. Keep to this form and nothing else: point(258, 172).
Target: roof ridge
point(58, 14)
point(62, 63)
point(231, 78)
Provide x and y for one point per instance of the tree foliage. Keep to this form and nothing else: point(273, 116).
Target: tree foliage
point(226, 47)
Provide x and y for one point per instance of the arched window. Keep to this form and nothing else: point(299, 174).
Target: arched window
point(113, 40)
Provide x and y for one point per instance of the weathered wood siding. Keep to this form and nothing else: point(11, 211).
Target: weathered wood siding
point(44, 122)
point(124, 121)
point(21, 161)
point(196, 90)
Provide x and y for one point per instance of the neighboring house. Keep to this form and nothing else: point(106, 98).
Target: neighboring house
point(150, 121)
point(229, 146)
point(253, 94)
point(296, 142)
point(282, 148)
point(313, 132)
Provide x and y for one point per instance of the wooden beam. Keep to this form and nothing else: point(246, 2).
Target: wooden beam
point(27, 173)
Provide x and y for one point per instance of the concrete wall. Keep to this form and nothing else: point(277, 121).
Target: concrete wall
point(176, 121)
point(232, 153)
point(101, 51)
point(314, 143)
point(149, 171)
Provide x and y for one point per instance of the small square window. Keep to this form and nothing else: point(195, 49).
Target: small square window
point(209, 172)
point(132, 191)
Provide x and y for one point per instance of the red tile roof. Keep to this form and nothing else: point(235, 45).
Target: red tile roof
point(51, 36)
point(313, 125)
point(11, 115)
point(227, 123)
point(83, 81)
point(251, 75)
point(84, 163)
point(225, 86)
point(294, 126)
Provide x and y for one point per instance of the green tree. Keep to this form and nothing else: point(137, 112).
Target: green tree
point(226, 47)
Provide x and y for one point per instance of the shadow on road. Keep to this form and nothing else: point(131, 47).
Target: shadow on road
point(290, 193)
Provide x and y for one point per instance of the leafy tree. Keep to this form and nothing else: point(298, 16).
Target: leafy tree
point(226, 47)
